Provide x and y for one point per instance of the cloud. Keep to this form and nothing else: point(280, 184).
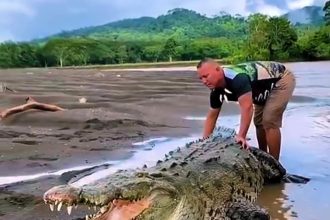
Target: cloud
point(319, 2)
point(271, 10)
point(213, 7)
point(10, 12)
point(296, 4)
point(266, 7)
point(16, 7)
point(152, 8)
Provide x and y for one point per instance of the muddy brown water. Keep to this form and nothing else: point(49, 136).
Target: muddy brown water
point(123, 108)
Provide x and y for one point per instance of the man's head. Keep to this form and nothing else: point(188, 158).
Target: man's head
point(211, 73)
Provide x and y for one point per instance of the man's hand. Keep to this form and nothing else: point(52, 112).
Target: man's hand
point(242, 141)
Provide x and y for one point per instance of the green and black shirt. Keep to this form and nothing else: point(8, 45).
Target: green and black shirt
point(259, 77)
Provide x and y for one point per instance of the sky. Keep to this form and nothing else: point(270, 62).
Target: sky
point(23, 20)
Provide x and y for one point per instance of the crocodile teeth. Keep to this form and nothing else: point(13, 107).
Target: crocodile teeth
point(103, 210)
point(56, 202)
point(59, 206)
point(95, 208)
point(69, 209)
point(87, 217)
point(51, 206)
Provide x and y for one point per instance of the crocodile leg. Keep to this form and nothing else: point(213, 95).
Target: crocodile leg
point(246, 210)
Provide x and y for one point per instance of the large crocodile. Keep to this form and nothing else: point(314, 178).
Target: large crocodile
point(207, 179)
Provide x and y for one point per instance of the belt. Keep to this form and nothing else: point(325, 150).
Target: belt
point(285, 73)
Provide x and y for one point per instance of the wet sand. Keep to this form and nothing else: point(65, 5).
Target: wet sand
point(122, 108)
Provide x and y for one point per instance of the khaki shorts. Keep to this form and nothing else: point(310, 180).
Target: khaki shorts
point(270, 115)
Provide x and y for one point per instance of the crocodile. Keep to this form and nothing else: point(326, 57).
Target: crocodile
point(213, 178)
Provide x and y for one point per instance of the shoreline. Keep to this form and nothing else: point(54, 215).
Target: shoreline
point(144, 148)
point(148, 67)
point(153, 69)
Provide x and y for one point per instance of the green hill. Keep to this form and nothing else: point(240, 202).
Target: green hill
point(177, 23)
point(310, 15)
point(180, 35)
point(183, 24)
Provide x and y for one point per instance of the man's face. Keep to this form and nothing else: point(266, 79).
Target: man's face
point(211, 75)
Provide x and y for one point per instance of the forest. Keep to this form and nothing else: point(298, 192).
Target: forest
point(179, 35)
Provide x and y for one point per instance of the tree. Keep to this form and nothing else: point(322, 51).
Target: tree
point(78, 49)
point(169, 48)
point(18, 55)
point(269, 37)
point(326, 10)
point(316, 46)
point(134, 52)
point(58, 49)
point(256, 44)
point(151, 53)
point(7, 52)
point(281, 36)
point(121, 54)
point(28, 55)
point(102, 52)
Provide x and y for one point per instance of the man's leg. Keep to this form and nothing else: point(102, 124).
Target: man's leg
point(261, 137)
point(273, 112)
point(273, 136)
point(260, 131)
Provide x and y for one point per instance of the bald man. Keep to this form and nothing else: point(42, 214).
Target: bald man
point(261, 88)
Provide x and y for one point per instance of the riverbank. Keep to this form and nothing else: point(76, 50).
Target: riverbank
point(125, 107)
point(119, 109)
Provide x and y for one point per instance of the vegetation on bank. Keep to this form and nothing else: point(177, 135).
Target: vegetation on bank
point(180, 35)
point(141, 65)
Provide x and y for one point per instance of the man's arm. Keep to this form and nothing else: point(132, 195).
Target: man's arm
point(246, 109)
point(210, 121)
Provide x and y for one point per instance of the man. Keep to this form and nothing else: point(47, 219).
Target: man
point(267, 86)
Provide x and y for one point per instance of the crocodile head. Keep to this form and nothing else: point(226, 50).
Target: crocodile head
point(125, 196)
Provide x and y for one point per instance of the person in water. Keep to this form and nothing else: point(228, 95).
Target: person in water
point(260, 88)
